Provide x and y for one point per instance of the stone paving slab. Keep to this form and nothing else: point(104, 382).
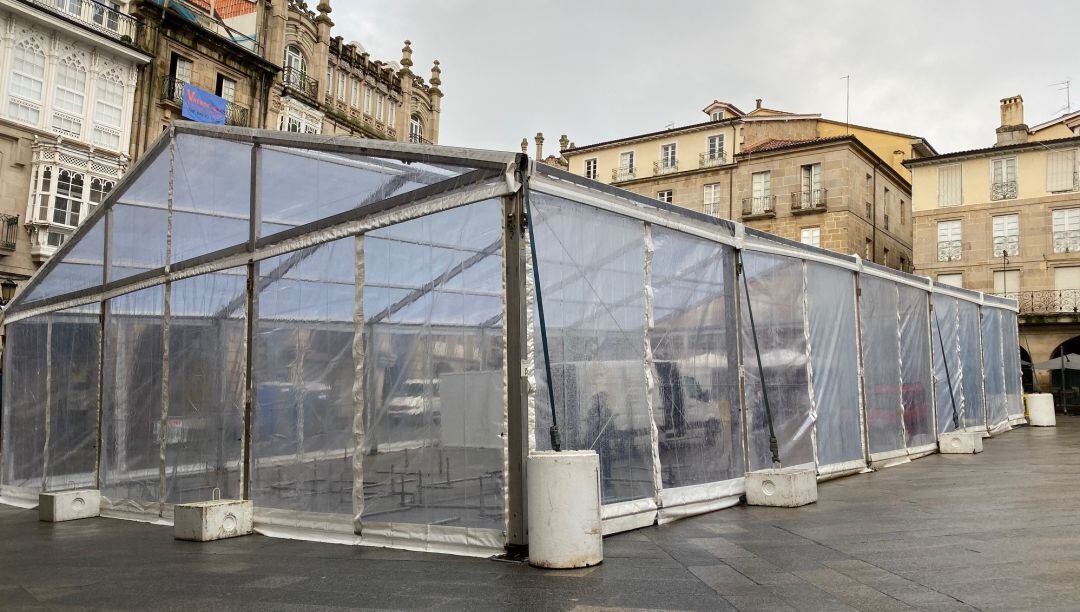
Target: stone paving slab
point(995, 531)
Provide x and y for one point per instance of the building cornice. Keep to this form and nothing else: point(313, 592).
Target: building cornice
point(686, 129)
point(1021, 147)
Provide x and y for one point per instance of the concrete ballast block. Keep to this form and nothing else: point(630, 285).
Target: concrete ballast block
point(69, 505)
point(212, 520)
point(785, 487)
point(1040, 408)
point(960, 443)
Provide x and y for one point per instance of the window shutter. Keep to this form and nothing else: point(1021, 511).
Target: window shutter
point(1060, 166)
point(949, 185)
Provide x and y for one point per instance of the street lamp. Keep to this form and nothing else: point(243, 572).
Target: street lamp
point(1004, 275)
point(7, 291)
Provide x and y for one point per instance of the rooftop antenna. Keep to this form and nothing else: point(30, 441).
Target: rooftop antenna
point(669, 125)
point(847, 103)
point(1065, 86)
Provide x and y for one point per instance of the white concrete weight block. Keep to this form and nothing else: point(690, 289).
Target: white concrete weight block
point(565, 530)
point(960, 443)
point(212, 520)
point(1041, 410)
point(69, 505)
point(785, 488)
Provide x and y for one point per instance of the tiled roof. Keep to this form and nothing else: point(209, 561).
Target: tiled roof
point(227, 9)
point(773, 144)
point(1019, 146)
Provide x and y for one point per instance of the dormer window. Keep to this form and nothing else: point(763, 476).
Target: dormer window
point(718, 115)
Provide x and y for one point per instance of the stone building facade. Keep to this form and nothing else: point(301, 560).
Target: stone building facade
point(792, 175)
point(328, 86)
point(68, 74)
point(1006, 219)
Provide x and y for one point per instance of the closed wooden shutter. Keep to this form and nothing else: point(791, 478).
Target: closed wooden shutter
point(1060, 169)
point(950, 185)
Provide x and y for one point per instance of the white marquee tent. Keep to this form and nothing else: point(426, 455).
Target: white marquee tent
point(348, 333)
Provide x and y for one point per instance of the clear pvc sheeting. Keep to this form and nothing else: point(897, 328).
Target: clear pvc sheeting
point(880, 320)
point(132, 406)
point(948, 391)
point(916, 369)
point(594, 300)
point(971, 366)
point(1014, 392)
point(348, 333)
point(24, 424)
point(994, 369)
point(433, 419)
point(204, 425)
point(777, 296)
point(71, 451)
point(834, 358)
point(303, 377)
point(693, 340)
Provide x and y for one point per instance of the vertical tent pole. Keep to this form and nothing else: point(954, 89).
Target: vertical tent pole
point(948, 376)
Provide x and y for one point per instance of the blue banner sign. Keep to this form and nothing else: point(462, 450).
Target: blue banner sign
point(202, 106)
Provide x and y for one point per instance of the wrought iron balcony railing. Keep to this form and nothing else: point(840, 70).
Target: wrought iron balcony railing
point(623, 174)
point(1051, 301)
point(416, 139)
point(666, 166)
point(712, 158)
point(299, 81)
point(9, 231)
point(814, 200)
point(1067, 241)
point(172, 89)
point(1004, 190)
point(761, 206)
point(949, 250)
point(94, 15)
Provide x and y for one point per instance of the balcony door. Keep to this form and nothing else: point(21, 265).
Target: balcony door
point(762, 190)
point(1007, 281)
point(811, 184)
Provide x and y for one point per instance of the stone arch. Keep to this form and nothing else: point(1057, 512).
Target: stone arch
point(1066, 395)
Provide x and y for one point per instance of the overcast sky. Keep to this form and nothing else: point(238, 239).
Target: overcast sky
point(601, 69)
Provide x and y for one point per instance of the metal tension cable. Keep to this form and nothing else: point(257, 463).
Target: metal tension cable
point(556, 437)
point(948, 377)
point(774, 448)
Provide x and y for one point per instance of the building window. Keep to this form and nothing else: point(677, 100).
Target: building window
point(868, 253)
point(1061, 173)
point(626, 162)
point(950, 185)
point(226, 88)
point(380, 102)
point(341, 79)
point(67, 205)
point(718, 115)
point(108, 113)
point(416, 129)
point(68, 98)
point(391, 120)
point(948, 241)
point(104, 17)
point(952, 279)
point(870, 212)
point(664, 196)
point(811, 194)
point(590, 169)
point(886, 221)
point(1067, 230)
point(368, 94)
point(181, 68)
point(903, 213)
point(903, 264)
point(354, 97)
point(1003, 178)
point(99, 188)
point(668, 158)
point(1006, 235)
point(27, 83)
point(714, 151)
point(869, 191)
point(712, 200)
point(1007, 282)
point(885, 259)
point(761, 192)
point(294, 60)
point(811, 236)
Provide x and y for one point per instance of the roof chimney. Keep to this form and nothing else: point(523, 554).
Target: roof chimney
point(1013, 130)
point(564, 143)
point(758, 103)
point(539, 146)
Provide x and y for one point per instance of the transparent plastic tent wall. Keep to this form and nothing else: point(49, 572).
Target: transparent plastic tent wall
point(347, 333)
